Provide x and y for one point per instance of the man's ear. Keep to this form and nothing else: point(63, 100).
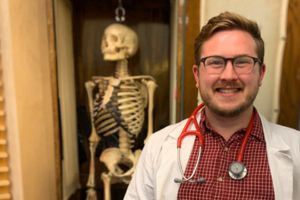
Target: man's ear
point(196, 74)
point(262, 73)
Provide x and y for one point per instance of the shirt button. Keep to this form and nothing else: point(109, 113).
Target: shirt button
point(220, 179)
point(226, 149)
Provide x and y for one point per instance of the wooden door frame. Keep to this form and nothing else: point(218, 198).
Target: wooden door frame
point(188, 27)
point(290, 79)
point(29, 76)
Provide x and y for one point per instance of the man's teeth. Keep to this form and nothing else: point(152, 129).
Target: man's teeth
point(228, 90)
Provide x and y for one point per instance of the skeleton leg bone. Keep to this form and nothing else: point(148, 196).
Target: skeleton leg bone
point(106, 178)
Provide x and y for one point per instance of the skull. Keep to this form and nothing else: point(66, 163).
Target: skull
point(118, 42)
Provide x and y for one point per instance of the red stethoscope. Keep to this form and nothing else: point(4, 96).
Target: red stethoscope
point(237, 170)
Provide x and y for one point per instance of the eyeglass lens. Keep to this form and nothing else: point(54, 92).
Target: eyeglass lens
point(217, 64)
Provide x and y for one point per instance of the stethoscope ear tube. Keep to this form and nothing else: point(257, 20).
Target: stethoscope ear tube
point(192, 119)
point(184, 179)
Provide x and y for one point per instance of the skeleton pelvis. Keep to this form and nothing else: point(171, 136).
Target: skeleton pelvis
point(119, 164)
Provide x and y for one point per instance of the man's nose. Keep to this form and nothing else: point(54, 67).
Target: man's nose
point(229, 72)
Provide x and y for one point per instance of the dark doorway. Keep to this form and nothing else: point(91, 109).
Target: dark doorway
point(151, 21)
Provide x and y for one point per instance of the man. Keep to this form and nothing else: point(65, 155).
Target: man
point(243, 156)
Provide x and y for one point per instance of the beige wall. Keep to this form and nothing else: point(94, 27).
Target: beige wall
point(29, 98)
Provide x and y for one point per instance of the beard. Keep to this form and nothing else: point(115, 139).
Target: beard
point(223, 112)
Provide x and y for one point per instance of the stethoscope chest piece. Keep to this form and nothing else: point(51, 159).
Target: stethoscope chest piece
point(237, 170)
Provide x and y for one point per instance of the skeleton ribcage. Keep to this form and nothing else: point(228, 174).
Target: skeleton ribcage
point(120, 105)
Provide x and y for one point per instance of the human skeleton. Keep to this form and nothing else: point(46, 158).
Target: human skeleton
point(118, 106)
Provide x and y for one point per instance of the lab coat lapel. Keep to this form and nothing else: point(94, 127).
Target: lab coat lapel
point(280, 162)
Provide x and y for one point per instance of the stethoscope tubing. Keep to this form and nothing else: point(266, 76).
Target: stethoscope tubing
point(245, 140)
point(195, 168)
point(200, 136)
point(197, 132)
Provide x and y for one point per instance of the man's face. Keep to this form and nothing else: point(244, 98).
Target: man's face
point(229, 94)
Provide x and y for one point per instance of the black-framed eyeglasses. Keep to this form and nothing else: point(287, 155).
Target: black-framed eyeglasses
point(242, 64)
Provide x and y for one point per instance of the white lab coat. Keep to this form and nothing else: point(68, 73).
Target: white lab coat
point(157, 166)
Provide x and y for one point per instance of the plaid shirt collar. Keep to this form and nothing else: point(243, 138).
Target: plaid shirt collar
point(257, 131)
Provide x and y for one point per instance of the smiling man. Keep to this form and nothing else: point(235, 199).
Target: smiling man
point(228, 74)
point(226, 149)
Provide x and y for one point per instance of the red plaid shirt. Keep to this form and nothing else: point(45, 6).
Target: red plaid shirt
point(216, 157)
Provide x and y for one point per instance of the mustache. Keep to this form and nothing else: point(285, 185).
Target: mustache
point(228, 84)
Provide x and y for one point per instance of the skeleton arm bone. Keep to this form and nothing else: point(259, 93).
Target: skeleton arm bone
point(93, 142)
point(151, 86)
